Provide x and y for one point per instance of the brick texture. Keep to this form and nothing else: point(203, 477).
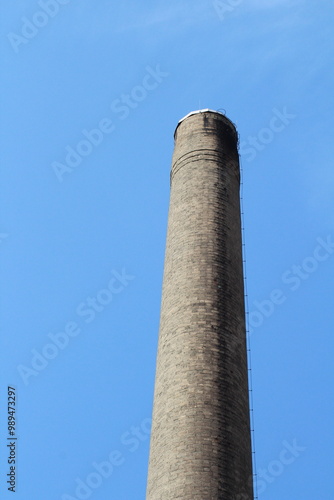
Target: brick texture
point(200, 442)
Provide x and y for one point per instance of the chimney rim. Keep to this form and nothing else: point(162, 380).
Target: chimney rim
point(206, 110)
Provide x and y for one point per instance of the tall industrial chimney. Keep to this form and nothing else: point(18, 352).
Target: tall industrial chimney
point(201, 441)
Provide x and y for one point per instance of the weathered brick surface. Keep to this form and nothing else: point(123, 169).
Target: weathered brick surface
point(200, 442)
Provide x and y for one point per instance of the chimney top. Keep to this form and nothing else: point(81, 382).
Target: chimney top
point(199, 111)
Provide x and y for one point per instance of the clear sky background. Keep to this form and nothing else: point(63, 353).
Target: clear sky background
point(91, 92)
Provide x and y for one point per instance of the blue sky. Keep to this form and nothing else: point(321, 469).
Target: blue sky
point(91, 94)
